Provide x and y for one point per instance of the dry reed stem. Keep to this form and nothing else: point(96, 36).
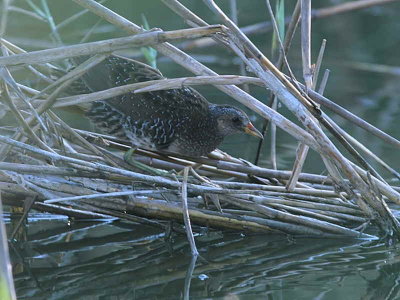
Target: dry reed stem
point(180, 9)
point(20, 119)
point(266, 26)
point(242, 187)
point(186, 216)
point(348, 6)
point(373, 207)
point(364, 149)
point(59, 188)
point(98, 186)
point(318, 98)
point(191, 64)
point(47, 104)
point(141, 87)
point(280, 63)
point(302, 150)
point(153, 85)
point(144, 39)
point(308, 76)
point(164, 210)
point(186, 14)
point(306, 43)
point(9, 80)
point(275, 214)
point(76, 137)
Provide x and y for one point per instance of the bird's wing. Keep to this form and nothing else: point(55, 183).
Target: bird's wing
point(160, 114)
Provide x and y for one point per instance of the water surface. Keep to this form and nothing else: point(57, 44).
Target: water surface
point(103, 260)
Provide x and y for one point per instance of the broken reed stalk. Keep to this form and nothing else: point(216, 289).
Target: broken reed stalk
point(194, 66)
point(153, 85)
point(191, 17)
point(302, 150)
point(66, 189)
point(78, 175)
point(6, 75)
point(184, 12)
point(282, 61)
point(290, 96)
point(197, 68)
point(308, 76)
point(306, 43)
point(226, 19)
point(297, 193)
point(144, 39)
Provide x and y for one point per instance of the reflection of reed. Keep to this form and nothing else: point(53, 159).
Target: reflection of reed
point(59, 164)
point(386, 285)
point(105, 260)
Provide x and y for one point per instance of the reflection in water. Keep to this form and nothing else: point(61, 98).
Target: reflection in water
point(124, 261)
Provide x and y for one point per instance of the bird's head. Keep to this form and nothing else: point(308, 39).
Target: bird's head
point(232, 120)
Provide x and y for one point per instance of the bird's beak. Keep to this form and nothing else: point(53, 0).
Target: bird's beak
point(250, 129)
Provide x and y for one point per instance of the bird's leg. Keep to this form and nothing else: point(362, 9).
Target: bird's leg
point(214, 197)
point(128, 158)
point(128, 154)
point(172, 171)
point(193, 167)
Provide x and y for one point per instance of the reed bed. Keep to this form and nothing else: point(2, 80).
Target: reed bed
point(49, 166)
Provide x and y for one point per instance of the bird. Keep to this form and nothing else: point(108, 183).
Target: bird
point(174, 121)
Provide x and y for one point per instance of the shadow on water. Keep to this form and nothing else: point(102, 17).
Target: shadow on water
point(117, 260)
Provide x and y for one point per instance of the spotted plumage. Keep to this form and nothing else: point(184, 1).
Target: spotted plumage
point(176, 120)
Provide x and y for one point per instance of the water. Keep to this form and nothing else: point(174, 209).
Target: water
point(56, 259)
point(124, 261)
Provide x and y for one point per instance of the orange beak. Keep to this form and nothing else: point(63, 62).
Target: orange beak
point(250, 129)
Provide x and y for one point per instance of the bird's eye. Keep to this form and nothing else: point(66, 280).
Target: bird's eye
point(235, 120)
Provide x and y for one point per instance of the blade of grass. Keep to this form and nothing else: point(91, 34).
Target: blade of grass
point(280, 21)
point(7, 291)
point(286, 46)
point(50, 21)
point(149, 53)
